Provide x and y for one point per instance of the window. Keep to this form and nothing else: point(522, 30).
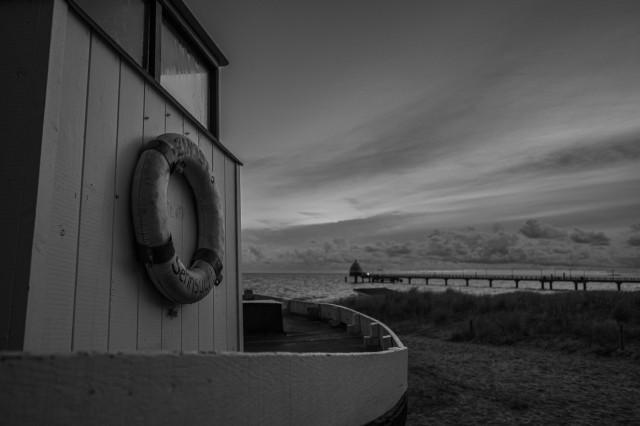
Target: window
point(168, 43)
point(123, 20)
point(184, 74)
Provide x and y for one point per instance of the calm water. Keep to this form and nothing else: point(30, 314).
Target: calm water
point(326, 287)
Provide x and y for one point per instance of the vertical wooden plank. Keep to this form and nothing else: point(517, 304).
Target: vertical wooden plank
point(220, 292)
point(240, 288)
point(149, 299)
point(25, 35)
point(205, 306)
point(190, 219)
point(126, 271)
point(174, 122)
point(50, 323)
point(191, 131)
point(178, 187)
point(93, 281)
point(231, 255)
point(190, 313)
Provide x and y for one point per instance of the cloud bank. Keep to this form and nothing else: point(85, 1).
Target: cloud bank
point(531, 244)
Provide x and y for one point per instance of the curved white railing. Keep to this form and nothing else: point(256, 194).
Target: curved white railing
point(230, 388)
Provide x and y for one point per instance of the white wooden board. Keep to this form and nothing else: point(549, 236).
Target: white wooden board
point(149, 299)
point(232, 256)
point(220, 342)
point(93, 282)
point(126, 270)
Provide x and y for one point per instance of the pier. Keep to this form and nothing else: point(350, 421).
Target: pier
point(543, 279)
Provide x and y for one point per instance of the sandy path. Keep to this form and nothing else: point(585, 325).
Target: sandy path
point(462, 383)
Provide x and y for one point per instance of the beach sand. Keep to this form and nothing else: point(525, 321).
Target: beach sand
point(453, 383)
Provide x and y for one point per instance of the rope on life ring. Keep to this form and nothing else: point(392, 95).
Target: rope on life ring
point(157, 161)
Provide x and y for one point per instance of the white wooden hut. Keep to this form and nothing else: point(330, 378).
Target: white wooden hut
point(85, 85)
point(85, 337)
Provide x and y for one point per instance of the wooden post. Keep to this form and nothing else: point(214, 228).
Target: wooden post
point(550, 285)
point(373, 339)
point(490, 283)
point(354, 327)
point(517, 282)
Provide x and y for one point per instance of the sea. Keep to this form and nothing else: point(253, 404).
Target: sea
point(327, 287)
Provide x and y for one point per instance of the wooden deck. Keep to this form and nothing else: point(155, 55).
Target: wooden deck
point(302, 334)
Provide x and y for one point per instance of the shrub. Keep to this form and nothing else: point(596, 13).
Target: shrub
point(582, 318)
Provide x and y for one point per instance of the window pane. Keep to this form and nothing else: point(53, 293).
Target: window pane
point(184, 74)
point(123, 20)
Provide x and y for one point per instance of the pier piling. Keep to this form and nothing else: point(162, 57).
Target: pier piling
point(400, 276)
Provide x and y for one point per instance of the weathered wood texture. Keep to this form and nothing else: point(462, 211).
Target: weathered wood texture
point(25, 31)
point(220, 318)
point(66, 149)
point(91, 292)
point(231, 254)
point(226, 389)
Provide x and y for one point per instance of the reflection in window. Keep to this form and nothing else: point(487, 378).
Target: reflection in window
point(122, 20)
point(184, 74)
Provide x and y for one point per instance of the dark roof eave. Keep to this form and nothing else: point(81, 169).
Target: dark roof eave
point(184, 11)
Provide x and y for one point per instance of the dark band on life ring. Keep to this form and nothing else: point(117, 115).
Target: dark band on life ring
point(158, 254)
point(155, 249)
point(165, 149)
point(164, 253)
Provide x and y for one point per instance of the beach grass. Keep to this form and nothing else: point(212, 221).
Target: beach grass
point(601, 322)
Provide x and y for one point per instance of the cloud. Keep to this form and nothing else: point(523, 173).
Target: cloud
point(493, 246)
point(533, 229)
point(593, 238)
point(634, 239)
point(530, 243)
point(584, 154)
point(254, 254)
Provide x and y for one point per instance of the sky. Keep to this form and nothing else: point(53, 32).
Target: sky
point(432, 134)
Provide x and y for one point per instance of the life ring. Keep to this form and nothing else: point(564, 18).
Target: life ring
point(157, 161)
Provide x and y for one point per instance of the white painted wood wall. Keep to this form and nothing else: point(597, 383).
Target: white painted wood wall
point(86, 289)
point(230, 389)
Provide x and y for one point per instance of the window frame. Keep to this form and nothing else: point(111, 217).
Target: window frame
point(179, 16)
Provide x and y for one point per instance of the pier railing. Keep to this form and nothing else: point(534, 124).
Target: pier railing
point(400, 276)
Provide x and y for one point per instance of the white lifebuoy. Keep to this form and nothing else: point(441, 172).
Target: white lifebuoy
point(157, 161)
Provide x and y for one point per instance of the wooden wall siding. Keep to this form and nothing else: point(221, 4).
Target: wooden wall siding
point(149, 299)
point(25, 29)
point(205, 307)
point(93, 281)
point(98, 297)
point(126, 274)
point(240, 285)
point(231, 254)
point(51, 330)
point(220, 292)
point(179, 212)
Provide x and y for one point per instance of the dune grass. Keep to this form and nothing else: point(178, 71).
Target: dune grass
point(603, 322)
